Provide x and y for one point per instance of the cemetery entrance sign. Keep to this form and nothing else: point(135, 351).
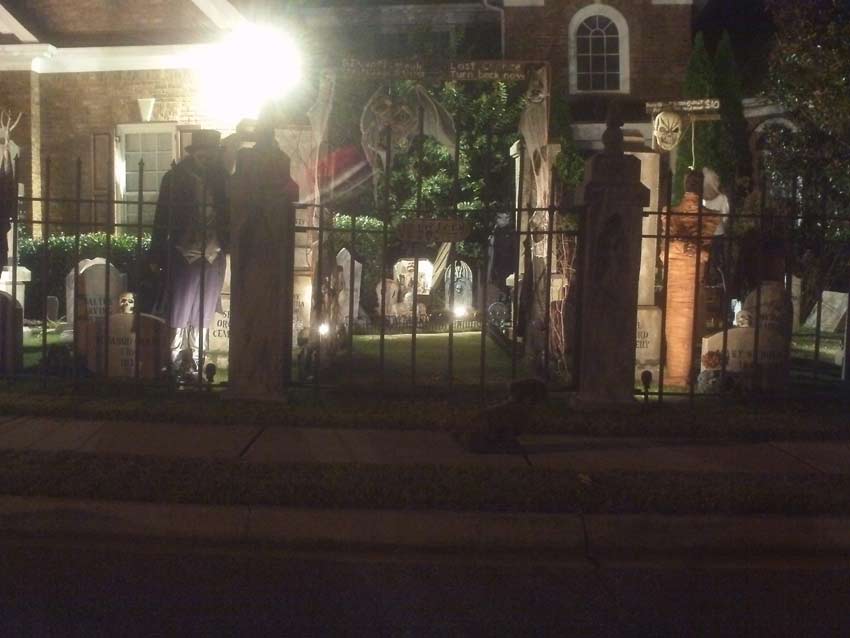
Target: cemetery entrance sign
point(433, 230)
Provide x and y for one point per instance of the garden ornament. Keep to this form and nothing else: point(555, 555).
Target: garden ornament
point(744, 319)
point(668, 129)
point(6, 128)
point(127, 303)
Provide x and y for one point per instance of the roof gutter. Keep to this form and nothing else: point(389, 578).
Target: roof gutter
point(501, 11)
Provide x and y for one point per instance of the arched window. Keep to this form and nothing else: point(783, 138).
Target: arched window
point(599, 50)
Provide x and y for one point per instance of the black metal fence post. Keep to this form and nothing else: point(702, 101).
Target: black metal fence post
point(45, 260)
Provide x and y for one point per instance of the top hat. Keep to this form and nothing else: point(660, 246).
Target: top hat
point(204, 139)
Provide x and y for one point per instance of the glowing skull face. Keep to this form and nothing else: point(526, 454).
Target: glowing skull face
point(668, 130)
point(127, 303)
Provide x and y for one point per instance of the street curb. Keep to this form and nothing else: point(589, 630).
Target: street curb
point(290, 526)
point(594, 536)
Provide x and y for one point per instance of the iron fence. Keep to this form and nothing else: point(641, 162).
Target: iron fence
point(527, 328)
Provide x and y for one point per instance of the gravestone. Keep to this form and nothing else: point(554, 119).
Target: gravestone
point(52, 308)
point(392, 303)
point(344, 259)
point(615, 198)
point(741, 373)
point(775, 310)
point(464, 297)
point(152, 337)
point(648, 341)
point(11, 334)
point(20, 278)
point(650, 176)
point(833, 311)
point(796, 294)
point(91, 296)
point(218, 337)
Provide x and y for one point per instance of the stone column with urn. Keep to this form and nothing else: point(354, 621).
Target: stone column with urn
point(610, 260)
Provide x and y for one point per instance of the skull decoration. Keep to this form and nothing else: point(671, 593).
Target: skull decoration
point(744, 319)
point(668, 129)
point(127, 303)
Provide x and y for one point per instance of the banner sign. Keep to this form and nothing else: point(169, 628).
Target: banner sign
point(384, 69)
point(708, 105)
point(457, 71)
point(433, 230)
point(487, 70)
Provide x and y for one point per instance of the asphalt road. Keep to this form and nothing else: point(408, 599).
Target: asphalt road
point(52, 587)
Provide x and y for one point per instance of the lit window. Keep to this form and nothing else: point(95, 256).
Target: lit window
point(155, 145)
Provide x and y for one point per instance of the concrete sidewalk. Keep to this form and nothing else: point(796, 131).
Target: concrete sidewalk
point(255, 444)
point(595, 537)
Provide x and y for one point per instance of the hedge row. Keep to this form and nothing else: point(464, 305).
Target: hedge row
point(61, 251)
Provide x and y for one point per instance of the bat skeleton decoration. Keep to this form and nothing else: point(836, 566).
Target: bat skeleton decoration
point(6, 128)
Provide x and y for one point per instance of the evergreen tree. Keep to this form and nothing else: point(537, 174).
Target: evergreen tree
point(710, 142)
point(569, 165)
point(728, 80)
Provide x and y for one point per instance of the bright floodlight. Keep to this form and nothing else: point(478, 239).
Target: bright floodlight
point(253, 65)
point(324, 329)
point(460, 312)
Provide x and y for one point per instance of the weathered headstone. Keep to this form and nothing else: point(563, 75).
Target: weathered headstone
point(833, 311)
point(648, 341)
point(11, 334)
point(218, 346)
point(650, 176)
point(52, 308)
point(615, 198)
point(125, 331)
point(20, 277)
point(344, 259)
point(464, 298)
point(391, 306)
point(775, 310)
point(796, 294)
point(741, 371)
point(91, 290)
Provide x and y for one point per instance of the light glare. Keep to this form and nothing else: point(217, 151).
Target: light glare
point(253, 65)
point(324, 329)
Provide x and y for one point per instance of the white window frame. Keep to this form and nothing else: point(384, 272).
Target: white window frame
point(623, 31)
point(122, 130)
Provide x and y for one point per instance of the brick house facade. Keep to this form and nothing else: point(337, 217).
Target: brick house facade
point(76, 69)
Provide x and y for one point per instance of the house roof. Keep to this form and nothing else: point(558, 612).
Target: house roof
point(108, 22)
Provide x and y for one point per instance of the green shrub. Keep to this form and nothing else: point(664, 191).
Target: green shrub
point(61, 253)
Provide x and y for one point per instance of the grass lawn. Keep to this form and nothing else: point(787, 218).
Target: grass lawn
point(518, 489)
point(33, 346)
point(432, 360)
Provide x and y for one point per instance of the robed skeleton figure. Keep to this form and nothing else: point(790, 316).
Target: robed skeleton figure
point(189, 241)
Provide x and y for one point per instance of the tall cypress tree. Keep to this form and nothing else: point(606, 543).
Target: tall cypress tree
point(708, 137)
point(737, 151)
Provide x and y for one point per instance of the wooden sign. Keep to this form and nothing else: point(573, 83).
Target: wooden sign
point(433, 230)
point(487, 70)
point(383, 69)
point(457, 71)
point(708, 105)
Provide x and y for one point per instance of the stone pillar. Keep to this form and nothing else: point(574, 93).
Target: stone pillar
point(610, 267)
point(648, 336)
point(262, 239)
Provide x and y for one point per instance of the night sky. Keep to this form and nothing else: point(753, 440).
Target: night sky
point(751, 29)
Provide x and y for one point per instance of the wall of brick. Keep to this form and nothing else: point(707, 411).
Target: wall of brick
point(660, 42)
point(75, 105)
